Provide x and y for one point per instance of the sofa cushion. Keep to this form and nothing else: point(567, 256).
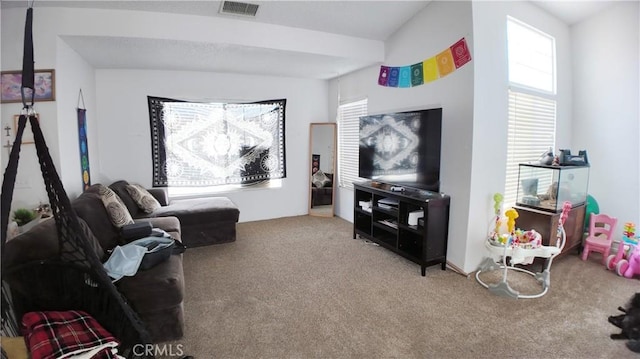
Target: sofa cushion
point(38, 243)
point(117, 210)
point(157, 288)
point(145, 201)
point(200, 210)
point(41, 242)
point(89, 207)
point(170, 225)
point(161, 195)
point(120, 188)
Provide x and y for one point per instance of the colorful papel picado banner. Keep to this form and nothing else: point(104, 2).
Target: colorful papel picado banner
point(431, 69)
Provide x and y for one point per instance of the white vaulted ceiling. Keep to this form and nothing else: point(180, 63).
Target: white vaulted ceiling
point(315, 39)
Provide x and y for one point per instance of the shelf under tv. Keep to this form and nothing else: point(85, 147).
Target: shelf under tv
point(424, 244)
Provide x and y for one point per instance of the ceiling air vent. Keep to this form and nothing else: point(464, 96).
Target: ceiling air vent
point(238, 8)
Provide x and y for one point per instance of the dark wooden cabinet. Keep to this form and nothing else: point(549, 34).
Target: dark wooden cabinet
point(546, 223)
point(383, 216)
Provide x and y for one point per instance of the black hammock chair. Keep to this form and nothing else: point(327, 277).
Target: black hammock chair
point(75, 279)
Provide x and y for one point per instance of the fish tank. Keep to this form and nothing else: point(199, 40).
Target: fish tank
point(548, 187)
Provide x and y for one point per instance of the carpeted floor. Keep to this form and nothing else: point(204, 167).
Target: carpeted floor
point(301, 287)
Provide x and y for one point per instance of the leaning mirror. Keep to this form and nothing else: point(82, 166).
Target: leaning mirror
point(322, 169)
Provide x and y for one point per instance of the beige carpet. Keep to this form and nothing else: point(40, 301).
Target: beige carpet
point(301, 287)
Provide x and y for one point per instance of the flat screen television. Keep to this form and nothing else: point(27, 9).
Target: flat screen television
point(402, 148)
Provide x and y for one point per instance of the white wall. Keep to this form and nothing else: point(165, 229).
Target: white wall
point(474, 102)
point(74, 73)
point(29, 188)
point(490, 106)
point(606, 64)
point(426, 35)
point(125, 144)
point(117, 115)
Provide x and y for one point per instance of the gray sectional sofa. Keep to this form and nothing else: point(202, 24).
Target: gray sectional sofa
point(155, 294)
point(204, 221)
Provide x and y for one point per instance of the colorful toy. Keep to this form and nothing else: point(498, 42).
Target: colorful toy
point(620, 261)
point(629, 230)
point(616, 260)
point(495, 237)
point(514, 236)
point(566, 207)
point(527, 239)
point(497, 203)
point(512, 214)
point(629, 268)
point(521, 247)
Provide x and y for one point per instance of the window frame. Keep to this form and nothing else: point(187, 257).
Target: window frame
point(160, 105)
point(554, 74)
point(529, 94)
point(348, 139)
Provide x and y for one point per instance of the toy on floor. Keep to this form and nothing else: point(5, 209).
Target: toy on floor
point(630, 267)
point(629, 230)
point(626, 261)
point(620, 261)
point(524, 239)
point(521, 247)
point(600, 237)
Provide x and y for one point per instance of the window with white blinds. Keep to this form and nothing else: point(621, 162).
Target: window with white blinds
point(532, 101)
point(348, 138)
point(531, 132)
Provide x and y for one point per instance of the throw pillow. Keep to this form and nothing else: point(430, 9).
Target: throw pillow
point(118, 212)
point(319, 179)
point(143, 198)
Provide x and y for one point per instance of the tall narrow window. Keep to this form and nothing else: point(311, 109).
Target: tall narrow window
point(532, 59)
point(348, 137)
point(532, 100)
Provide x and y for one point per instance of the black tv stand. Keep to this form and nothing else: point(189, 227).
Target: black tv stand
point(383, 216)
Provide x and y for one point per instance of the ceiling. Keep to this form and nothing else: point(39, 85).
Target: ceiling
point(572, 12)
point(374, 20)
point(361, 20)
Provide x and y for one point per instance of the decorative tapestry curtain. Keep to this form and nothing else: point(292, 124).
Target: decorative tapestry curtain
point(209, 144)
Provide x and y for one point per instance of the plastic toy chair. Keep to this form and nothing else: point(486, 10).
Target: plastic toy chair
point(601, 228)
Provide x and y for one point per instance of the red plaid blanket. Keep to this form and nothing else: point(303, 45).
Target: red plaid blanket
point(66, 334)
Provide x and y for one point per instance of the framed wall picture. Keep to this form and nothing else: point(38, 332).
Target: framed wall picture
point(27, 135)
point(44, 85)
